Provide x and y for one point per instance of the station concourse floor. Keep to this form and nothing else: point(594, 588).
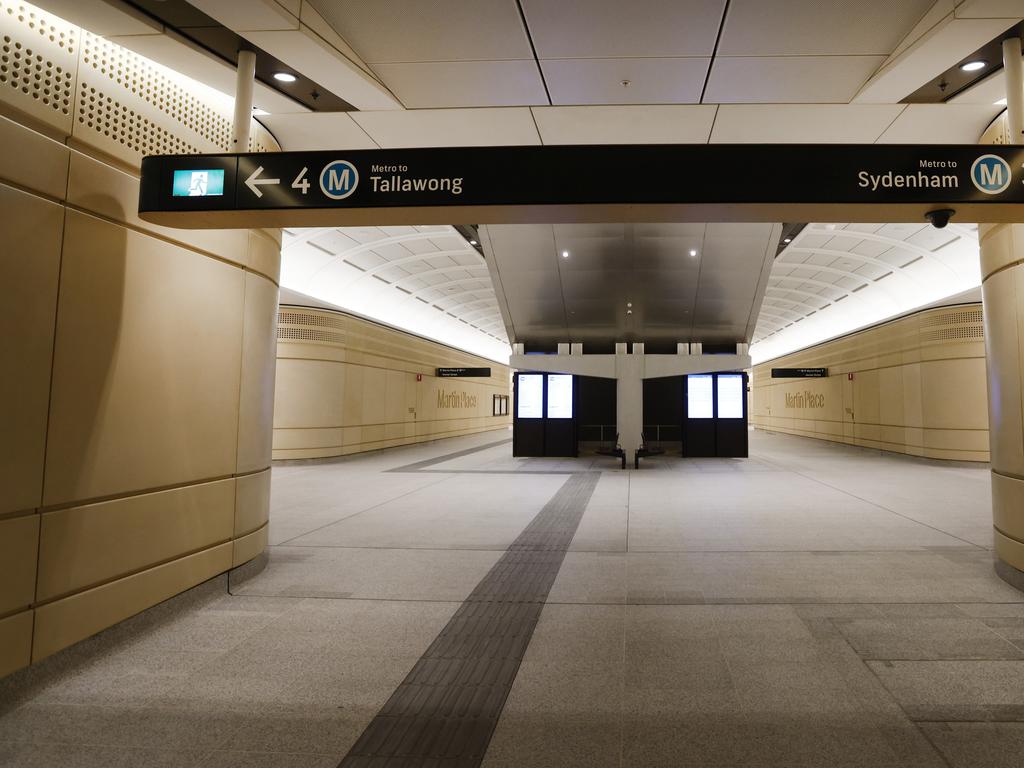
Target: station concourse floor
point(813, 605)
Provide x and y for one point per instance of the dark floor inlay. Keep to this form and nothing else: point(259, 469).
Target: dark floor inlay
point(445, 710)
point(420, 465)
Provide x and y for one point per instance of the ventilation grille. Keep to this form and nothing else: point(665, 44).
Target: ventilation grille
point(949, 334)
point(953, 318)
point(128, 128)
point(304, 318)
point(310, 334)
point(145, 81)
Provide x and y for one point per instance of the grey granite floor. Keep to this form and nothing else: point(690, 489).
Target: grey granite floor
point(814, 605)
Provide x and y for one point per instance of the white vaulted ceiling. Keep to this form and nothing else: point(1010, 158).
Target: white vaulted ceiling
point(427, 280)
point(835, 278)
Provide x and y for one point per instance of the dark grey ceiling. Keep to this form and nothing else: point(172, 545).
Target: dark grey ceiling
point(713, 297)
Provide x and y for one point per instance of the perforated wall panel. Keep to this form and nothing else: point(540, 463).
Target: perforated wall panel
point(104, 95)
point(38, 59)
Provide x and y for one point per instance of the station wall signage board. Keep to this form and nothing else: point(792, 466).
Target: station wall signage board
point(451, 373)
point(799, 373)
point(709, 182)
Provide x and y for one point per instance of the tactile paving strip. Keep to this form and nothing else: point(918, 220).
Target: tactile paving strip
point(444, 712)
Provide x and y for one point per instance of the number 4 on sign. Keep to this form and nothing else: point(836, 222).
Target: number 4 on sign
point(301, 182)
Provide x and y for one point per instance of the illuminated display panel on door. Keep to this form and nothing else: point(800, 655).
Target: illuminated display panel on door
point(730, 396)
point(530, 396)
point(560, 396)
point(700, 397)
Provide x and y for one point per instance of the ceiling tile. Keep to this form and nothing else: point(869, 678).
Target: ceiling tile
point(450, 127)
point(940, 124)
point(317, 130)
point(600, 81)
point(829, 27)
point(445, 84)
point(417, 31)
point(789, 79)
point(612, 28)
point(803, 123)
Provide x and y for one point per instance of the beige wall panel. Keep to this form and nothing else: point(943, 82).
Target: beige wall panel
point(394, 401)
point(66, 621)
point(373, 400)
point(1004, 365)
point(29, 267)
point(865, 397)
point(913, 409)
point(259, 358)
point(956, 439)
point(309, 393)
point(352, 395)
point(265, 255)
point(374, 396)
point(954, 395)
point(252, 502)
point(247, 547)
point(903, 406)
point(146, 369)
point(890, 401)
point(19, 542)
point(83, 546)
point(308, 438)
point(32, 160)
point(15, 642)
point(100, 188)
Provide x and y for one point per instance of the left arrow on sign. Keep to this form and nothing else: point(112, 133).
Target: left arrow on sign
point(254, 181)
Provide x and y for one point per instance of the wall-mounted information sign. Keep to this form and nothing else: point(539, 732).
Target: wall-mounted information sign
point(731, 394)
point(559, 396)
point(450, 373)
point(700, 396)
point(530, 396)
point(799, 373)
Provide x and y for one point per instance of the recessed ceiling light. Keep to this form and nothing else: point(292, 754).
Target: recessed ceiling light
point(973, 66)
point(787, 240)
point(565, 254)
point(693, 251)
point(472, 242)
point(285, 77)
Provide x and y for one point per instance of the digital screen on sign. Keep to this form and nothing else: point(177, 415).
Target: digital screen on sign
point(199, 183)
point(560, 396)
point(530, 396)
point(730, 396)
point(700, 397)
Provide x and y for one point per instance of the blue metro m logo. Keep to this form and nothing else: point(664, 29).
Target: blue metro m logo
point(339, 179)
point(991, 174)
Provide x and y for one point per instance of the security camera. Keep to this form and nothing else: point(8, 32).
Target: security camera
point(940, 218)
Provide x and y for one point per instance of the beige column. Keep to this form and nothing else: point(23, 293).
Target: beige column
point(1002, 269)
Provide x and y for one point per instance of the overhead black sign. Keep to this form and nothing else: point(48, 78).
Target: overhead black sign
point(799, 373)
point(535, 177)
point(451, 373)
